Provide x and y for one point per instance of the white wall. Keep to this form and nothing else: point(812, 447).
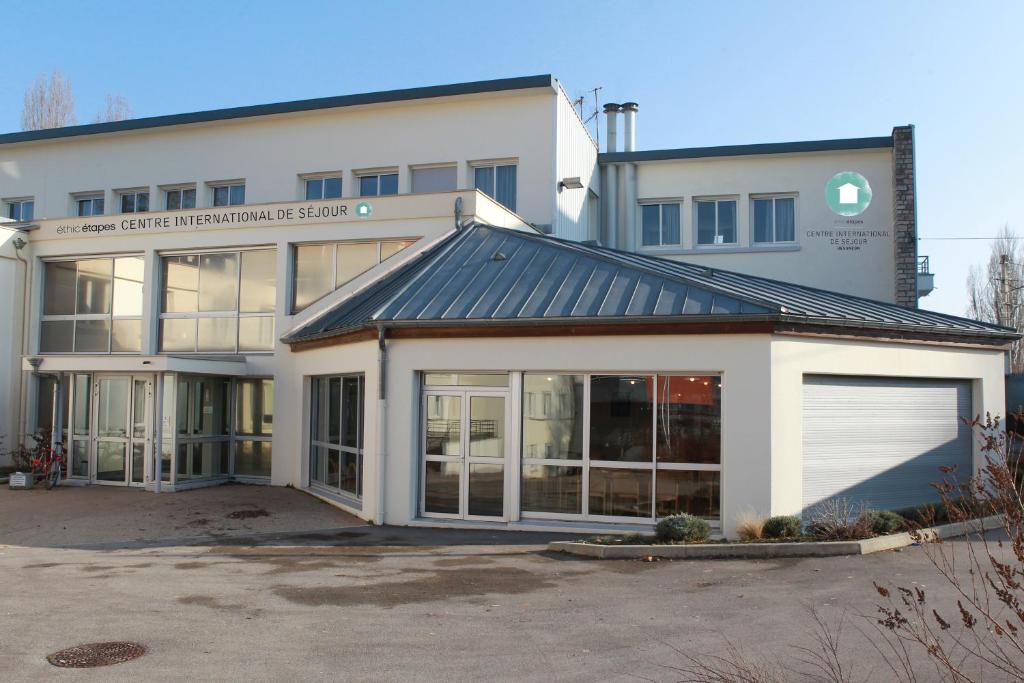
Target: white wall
point(270, 152)
point(868, 271)
point(793, 357)
point(576, 157)
point(12, 275)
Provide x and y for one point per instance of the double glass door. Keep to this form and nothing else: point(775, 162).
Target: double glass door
point(465, 443)
point(121, 435)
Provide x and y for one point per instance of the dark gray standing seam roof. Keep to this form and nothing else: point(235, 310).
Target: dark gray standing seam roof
point(404, 95)
point(803, 146)
point(484, 274)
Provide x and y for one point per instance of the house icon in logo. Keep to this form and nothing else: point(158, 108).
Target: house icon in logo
point(363, 209)
point(848, 193)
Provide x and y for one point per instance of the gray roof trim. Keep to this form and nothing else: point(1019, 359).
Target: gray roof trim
point(747, 150)
point(403, 95)
point(544, 281)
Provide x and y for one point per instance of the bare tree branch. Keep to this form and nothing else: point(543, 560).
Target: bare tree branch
point(993, 298)
point(49, 103)
point(116, 109)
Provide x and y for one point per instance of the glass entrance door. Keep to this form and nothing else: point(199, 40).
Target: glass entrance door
point(464, 454)
point(121, 429)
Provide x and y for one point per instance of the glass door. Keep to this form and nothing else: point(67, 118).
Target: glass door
point(110, 434)
point(121, 429)
point(464, 454)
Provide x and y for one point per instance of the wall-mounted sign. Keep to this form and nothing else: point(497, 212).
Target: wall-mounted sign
point(848, 193)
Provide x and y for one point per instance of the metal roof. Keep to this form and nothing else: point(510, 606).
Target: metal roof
point(484, 274)
point(747, 150)
point(404, 95)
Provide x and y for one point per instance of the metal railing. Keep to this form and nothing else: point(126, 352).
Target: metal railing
point(923, 265)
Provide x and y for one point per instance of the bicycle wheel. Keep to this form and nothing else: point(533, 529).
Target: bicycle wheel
point(52, 477)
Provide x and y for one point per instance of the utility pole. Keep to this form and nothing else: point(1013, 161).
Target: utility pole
point(1004, 291)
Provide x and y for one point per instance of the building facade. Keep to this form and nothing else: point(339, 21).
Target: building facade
point(443, 306)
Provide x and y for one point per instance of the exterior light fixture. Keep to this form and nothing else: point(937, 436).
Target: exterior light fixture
point(573, 183)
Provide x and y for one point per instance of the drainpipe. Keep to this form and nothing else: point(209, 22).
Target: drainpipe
point(382, 421)
point(19, 244)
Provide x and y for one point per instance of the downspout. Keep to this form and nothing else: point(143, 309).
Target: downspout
point(382, 421)
point(19, 244)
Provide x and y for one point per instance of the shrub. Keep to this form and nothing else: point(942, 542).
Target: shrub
point(839, 519)
point(682, 529)
point(928, 514)
point(749, 526)
point(883, 522)
point(782, 526)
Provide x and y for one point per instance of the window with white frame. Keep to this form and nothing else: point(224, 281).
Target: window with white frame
point(176, 198)
point(219, 302)
point(323, 186)
point(774, 218)
point(716, 221)
point(378, 184)
point(92, 305)
point(21, 210)
point(497, 181)
point(322, 268)
point(134, 201)
point(659, 225)
point(89, 205)
point(336, 434)
point(228, 194)
point(621, 446)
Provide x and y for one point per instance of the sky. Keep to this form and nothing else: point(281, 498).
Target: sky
point(704, 73)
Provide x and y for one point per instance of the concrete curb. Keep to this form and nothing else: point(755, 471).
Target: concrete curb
point(770, 550)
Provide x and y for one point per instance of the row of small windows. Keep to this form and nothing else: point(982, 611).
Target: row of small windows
point(773, 220)
point(211, 302)
point(498, 181)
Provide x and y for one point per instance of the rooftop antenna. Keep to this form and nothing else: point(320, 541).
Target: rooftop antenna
point(593, 115)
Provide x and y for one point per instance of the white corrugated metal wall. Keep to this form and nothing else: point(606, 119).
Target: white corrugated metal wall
point(575, 156)
point(882, 441)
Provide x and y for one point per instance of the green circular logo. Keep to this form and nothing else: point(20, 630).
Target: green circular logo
point(848, 193)
point(364, 210)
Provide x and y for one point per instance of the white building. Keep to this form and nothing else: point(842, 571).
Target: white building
point(358, 296)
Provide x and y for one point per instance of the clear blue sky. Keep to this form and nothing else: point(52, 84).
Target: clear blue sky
point(704, 73)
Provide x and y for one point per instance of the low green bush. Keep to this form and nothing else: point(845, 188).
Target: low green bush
point(884, 522)
point(682, 529)
point(782, 526)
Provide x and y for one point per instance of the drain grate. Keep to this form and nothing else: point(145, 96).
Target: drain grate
point(96, 654)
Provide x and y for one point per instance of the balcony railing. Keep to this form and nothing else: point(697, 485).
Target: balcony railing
point(923, 265)
point(925, 278)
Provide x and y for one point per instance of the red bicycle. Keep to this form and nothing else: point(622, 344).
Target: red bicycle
point(49, 464)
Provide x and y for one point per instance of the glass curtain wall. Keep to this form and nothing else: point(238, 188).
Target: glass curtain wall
point(621, 446)
point(336, 434)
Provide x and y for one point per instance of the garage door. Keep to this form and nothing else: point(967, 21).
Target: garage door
point(882, 441)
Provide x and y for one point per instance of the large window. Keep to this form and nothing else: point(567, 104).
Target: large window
point(659, 225)
point(716, 221)
point(89, 205)
point(621, 446)
point(322, 268)
point(134, 201)
point(323, 187)
point(228, 194)
point(92, 306)
point(497, 181)
point(21, 210)
point(378, 184)
point(336, 434)
point(774, 219)
point(179, 198)
point(219, 301)
point(202, 417)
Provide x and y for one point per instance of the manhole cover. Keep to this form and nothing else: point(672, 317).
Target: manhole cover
point(96, 654)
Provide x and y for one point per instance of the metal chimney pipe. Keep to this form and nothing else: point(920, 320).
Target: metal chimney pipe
point(629, 110)
point(612, 110)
